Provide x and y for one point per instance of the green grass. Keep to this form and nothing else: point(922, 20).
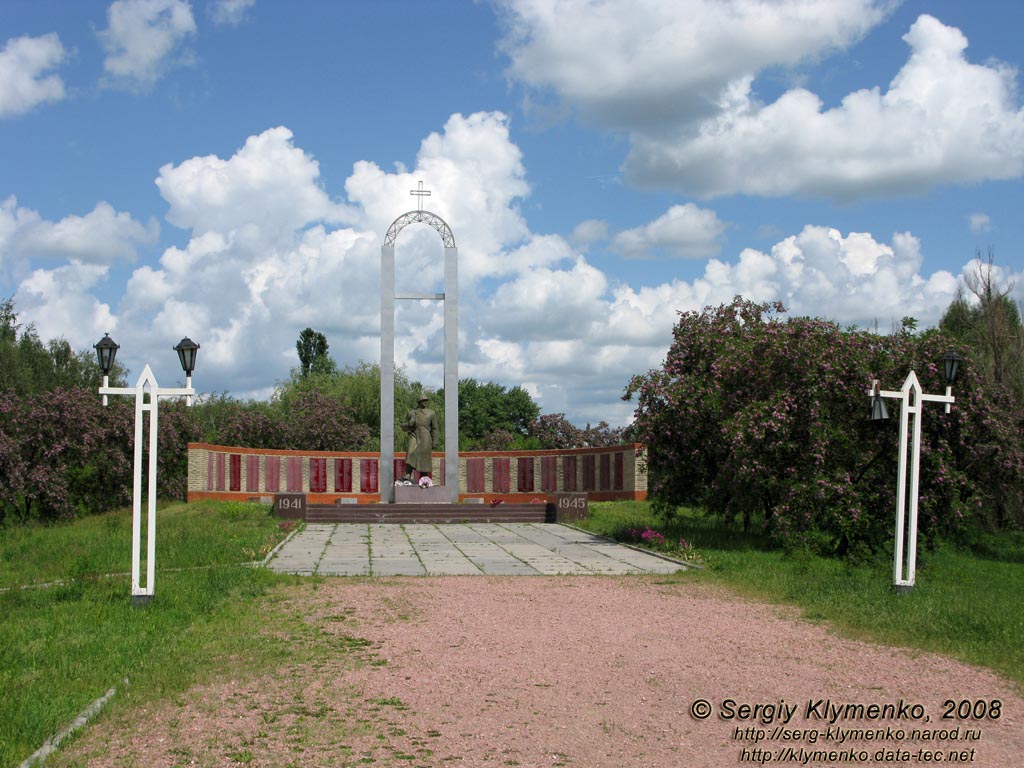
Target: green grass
point(200, 534)
point(967, 605)
point(63, 646)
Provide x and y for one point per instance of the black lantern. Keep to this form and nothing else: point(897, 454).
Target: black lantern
point(878, 409)
point(187, 350)
point(106, 351)
point(951, 365)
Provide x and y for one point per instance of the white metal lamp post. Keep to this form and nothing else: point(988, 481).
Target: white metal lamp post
point(106, 351)
point(913, 400)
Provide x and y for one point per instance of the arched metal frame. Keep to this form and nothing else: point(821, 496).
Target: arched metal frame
point(450, 298)
point(420, 217)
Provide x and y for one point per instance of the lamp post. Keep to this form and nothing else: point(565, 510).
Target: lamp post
point(106, 351)
point(913, 400)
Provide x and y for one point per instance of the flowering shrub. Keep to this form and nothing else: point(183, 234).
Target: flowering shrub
point(648, 536)
point(652, 539)
point(759, 418)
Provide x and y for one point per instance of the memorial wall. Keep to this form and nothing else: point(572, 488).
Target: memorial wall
point(327, 477)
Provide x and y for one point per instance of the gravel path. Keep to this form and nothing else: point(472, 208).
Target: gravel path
point(581, 671)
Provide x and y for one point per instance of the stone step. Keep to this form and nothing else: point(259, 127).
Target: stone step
point(407, 514)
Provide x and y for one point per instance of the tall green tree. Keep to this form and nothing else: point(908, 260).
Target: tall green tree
point(314, 357)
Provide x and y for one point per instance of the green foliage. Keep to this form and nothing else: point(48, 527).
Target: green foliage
point(313, 353)
point(29, 366)
point(990, 324)
point(494, 417)
point(760, 418)
point(357, 388)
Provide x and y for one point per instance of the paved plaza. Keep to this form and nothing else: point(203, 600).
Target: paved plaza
point(493, 549)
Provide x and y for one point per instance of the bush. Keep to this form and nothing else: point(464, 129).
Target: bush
point(760, 418)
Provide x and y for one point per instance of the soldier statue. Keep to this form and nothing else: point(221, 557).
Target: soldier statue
point(421, 424)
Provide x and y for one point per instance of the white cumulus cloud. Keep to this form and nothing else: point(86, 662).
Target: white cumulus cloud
point(60, 303)
point(102, 236)
point(648, 63)
point(269, 184)
point(680, 77)
point(942, 120)
point(144, 38)
point(24, 80)
point(684, 231)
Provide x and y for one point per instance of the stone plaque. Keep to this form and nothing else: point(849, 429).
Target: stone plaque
point(570, 507)
point(290, 505)
point(411, 494)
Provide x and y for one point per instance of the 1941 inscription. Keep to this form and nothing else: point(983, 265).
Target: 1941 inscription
point(290, 505)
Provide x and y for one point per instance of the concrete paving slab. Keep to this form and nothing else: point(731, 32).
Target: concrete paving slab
point(505, 549)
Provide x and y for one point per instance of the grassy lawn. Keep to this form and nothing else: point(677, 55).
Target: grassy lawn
point(63, 646)
point(966, 605)
point(200, 534)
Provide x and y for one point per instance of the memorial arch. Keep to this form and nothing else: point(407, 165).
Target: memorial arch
point(450, 300)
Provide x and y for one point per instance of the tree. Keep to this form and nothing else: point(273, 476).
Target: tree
point(602, 435)
point(63, 454)
point(313, 353)
point(760, 418)
point(319, 422)
point(490, 408)
point(359, 388)
point(553, 430)
point(990, 323)
point(29, 365)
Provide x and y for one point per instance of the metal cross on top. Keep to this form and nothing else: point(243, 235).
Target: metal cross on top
point(420, 194)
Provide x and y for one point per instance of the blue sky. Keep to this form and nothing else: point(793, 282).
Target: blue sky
point(227, 170)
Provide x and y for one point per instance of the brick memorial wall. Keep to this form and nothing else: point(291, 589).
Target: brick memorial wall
point(327, 477)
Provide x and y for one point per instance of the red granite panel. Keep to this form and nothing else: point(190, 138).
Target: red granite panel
point(589, 472)
point(549, 473)
point(293, 474)
point(475, 475)
point(273, 481)
point(235, 475)
point(343, 475)
point(524, 469)
point(317, 474)
point(369, 475)
point(501, 471)
point(606, 472)
point(252, 473)
point(569, 473)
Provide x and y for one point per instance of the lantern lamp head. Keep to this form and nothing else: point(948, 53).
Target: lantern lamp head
point(951, 365)
point(187, 350)
point(106, 351)
point(878, 410)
